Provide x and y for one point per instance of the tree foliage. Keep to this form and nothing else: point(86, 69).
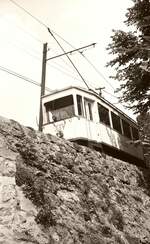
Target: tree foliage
point(131, 57)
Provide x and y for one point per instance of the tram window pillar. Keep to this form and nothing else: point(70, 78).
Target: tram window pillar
point(79, 100)
point(111, 124)
point(88, 105)
point(121, 124)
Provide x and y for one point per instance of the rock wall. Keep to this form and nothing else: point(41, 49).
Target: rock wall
point(54, 191)
point(17, 213)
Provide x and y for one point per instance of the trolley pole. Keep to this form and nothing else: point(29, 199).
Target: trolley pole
point(42, 85)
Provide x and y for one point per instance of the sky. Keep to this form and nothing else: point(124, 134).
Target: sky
point(80, 23)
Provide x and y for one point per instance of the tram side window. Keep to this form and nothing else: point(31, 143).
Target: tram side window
point(80, 105)
point(59, 109)
point(126, 129)
point(116, 122)
point(135, 133)
point(103, 114)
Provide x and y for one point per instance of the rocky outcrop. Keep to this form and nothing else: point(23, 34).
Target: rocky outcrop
point(17, 213)
point(54, 191)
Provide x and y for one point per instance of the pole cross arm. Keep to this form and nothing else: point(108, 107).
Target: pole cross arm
point(72, 51)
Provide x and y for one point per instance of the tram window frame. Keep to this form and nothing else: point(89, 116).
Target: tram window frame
point(60, 109)
point(135, 133)
point(88, 104)
point(126, 129)
point(103, 113)
point(80, 105)
point(116, 122)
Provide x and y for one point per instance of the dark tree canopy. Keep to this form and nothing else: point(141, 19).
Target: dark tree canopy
point(131, 56)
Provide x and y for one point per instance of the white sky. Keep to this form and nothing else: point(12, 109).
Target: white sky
point(80, 22)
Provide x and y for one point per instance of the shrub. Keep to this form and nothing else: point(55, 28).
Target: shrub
point(45, 216)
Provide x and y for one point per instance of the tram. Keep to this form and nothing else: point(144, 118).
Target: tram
point(85, 117)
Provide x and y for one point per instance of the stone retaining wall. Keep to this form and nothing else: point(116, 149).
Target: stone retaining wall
point(54, 191)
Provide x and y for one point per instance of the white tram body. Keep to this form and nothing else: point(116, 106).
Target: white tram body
point(83, 115)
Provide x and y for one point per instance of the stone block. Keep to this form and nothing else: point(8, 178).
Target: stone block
point(7, 167)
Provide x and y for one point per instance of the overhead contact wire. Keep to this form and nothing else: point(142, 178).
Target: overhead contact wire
point(11, 72)
point(50, 31)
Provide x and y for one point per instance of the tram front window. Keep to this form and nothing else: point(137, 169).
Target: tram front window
point(60, 109)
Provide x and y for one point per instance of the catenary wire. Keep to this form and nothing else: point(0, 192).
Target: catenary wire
point(19, 6)
point(49, 30)
point(24, 50)
point(46, 26)
point(96, 69)
point(111, 94)
point(21, 46)
point(65, 71)
point(38, 20)
point(11, 72)
point(68, 58)
point(63, 60)
point(39, 59)
point(23, 30)
point(63, 40)
point(51, 65)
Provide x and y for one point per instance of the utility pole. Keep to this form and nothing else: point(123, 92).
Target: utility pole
point(42, 85)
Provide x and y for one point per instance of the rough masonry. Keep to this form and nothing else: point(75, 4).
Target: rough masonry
point(53, 191)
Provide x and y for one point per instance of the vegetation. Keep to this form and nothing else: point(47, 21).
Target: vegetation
point(131, 57)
